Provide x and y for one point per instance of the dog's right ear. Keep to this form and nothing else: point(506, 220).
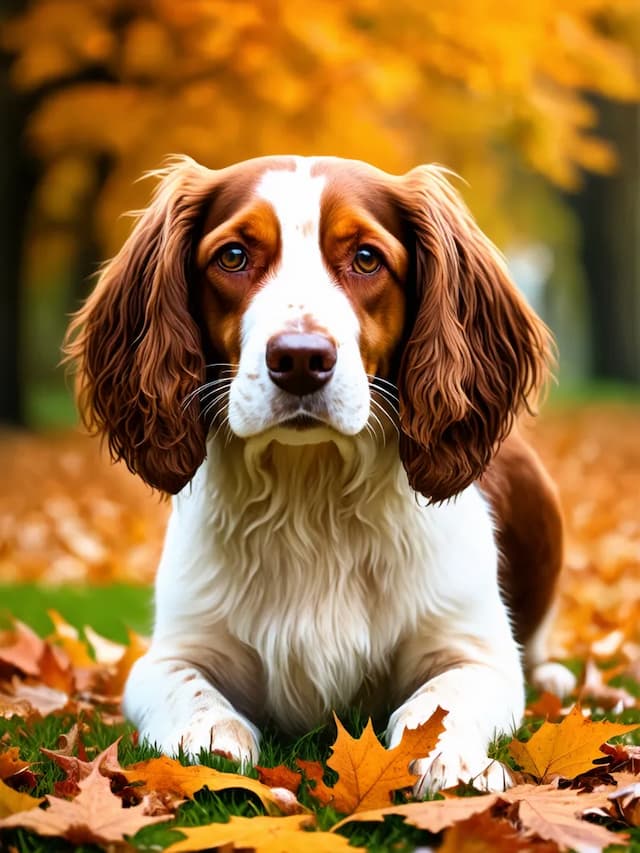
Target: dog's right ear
point(136, 348)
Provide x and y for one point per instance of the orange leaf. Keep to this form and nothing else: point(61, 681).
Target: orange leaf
point(114, 684)
point(369, 773)
point(276, 777)
point(263, 835)
point(168, 775)
point(22, 648)
point(10, 762)
point(567, 748)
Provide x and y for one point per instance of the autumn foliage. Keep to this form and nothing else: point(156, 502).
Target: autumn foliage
point(480, 87)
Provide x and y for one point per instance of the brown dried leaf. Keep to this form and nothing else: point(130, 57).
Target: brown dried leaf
point(627, 801)
point(556, 815)
point(21, 648)
point(432, 815)
point(95, 816)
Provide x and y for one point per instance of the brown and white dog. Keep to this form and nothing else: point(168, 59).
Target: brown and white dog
point(323, 363)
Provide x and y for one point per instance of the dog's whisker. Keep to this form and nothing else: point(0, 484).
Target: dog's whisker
point(378, 421)
point(386, 414)
point(375, 379)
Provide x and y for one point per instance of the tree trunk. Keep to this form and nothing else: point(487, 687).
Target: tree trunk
point(609, 211)
point(17, 182)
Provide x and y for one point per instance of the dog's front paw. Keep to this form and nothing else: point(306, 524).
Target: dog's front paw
point(459, 760)
point(231, 737)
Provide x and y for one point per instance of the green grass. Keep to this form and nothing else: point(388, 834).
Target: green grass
point(109, 610)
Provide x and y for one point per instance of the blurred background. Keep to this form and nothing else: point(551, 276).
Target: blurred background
point(534, 104)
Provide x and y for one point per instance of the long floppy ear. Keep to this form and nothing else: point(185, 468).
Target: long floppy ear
point(476, 351)
point(136, 348)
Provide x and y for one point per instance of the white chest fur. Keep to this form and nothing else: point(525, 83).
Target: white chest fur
point(321, 560)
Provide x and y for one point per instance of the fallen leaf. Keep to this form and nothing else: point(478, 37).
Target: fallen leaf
point(278, 777)
point(113, 684)
point(78, 769)
point(10, 762)
point(168, 775)
point(432, 815)
point(547, 705)
point(35, 697)
point(68, 638)
point(95, 816)
point(627, 801)
point(556, 815)
point(484, 833)
point(604, 695)
point(12, 801)
point(368, 773)
point(21, 648)
point(56, 671)
point(567, 748)
point(313, 772)
point(262, 835)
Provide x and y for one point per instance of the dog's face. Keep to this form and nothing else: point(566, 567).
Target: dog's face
point(301, 295)
point(302, 291)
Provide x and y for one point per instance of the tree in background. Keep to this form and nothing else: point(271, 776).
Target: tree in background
point(495, 91)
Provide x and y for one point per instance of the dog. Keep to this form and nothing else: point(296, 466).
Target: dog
point(323, 363)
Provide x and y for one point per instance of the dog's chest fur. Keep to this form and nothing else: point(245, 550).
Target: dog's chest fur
point(308, 535)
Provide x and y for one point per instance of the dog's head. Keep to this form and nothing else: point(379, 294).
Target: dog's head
point(309, 297)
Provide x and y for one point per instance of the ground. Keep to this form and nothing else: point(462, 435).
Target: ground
point(82, 537)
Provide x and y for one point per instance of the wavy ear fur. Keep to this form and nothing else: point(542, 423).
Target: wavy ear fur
point(476, 351)
point(136, 348)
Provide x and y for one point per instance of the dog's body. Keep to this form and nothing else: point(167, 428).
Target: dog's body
point(301, 571)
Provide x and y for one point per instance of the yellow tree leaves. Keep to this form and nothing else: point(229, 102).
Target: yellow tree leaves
point(394, 83)
point(565, 749)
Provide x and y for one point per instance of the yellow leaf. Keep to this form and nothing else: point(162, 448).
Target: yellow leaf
point(263, 835)
point(567, 748)
point(12, 802)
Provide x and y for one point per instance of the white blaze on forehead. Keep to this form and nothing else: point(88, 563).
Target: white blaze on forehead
point(295, 197)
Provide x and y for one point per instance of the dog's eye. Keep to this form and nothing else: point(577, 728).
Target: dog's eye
point(232, 258)
point(366, 261)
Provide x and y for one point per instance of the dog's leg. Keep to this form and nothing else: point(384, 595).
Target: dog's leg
point(176, 706)
point(479, 681)
point(543, 672)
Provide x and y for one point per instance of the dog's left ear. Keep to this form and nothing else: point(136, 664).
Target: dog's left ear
point(476, 351)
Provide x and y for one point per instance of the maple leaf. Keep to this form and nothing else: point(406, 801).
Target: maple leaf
point(21, 648)
point(263, 835)
point(484, 833)
point(76, 769)
point(113, 684)
point(432, 815)
point(567, 748)
point(367, 772)
point(166, 775)
point(556, 815)
point(95, 816)
point(25, 699)
point(13, 801)
point(275, 777)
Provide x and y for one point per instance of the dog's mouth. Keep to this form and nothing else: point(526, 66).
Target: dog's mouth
point(301, 422)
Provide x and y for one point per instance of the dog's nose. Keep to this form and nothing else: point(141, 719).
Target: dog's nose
point(300, 363)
